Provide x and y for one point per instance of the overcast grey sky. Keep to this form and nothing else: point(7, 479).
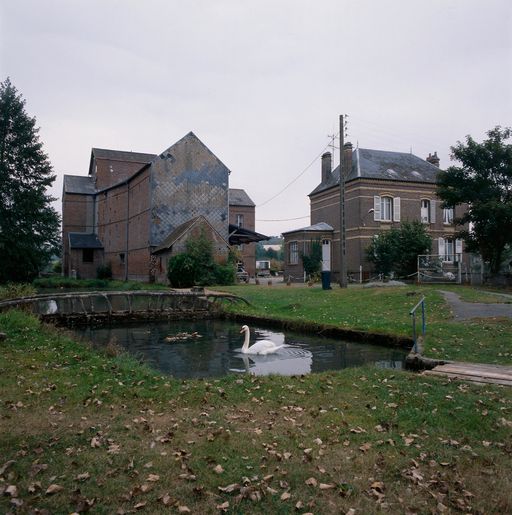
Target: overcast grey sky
point(261, 83)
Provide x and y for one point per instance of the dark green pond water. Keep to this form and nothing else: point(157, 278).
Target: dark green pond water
point(215, 350)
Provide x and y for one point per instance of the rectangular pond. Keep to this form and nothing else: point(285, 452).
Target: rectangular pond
point(212, 348)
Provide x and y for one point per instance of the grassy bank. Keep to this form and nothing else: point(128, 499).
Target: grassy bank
point(81, 430)
point(386, 311)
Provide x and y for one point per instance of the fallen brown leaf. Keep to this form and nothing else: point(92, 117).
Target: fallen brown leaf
point(53, 489)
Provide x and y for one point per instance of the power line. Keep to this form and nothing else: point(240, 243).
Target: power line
point(296, 178)
point(284, 219)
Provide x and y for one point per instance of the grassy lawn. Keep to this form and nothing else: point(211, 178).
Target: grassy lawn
point(84, 431)
point(386, 310)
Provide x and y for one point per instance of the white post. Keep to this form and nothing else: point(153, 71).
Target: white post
point(360, 274)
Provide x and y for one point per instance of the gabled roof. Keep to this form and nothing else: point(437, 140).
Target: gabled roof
point(383, 165)
point(183, 229)
point(319, 227)
point(80, 240)
point(120, 155)
point(79, 184)
point(123, 155)
point(238, 197)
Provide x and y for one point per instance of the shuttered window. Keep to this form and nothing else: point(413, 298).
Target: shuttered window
point(428, 211)
point(386, 209)
point(425, 211)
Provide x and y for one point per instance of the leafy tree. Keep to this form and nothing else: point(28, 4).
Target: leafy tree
point(197, 267)
point(313, 260)
point(29, 226)
point(397, 250)
point(484, 183)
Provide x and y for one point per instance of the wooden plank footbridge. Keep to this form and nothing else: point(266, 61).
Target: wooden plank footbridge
point(474, 372)
point(481, 373)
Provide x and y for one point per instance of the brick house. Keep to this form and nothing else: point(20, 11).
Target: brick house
point(134, 210)
point(382, 189)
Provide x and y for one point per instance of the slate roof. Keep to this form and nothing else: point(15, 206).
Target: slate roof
point(320, 226)
point(123, 155)
point(80, 240)
point(384, 165)
point(238, 197)
point(79, 184)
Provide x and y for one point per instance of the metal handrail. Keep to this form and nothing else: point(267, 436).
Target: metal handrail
point(423, 322)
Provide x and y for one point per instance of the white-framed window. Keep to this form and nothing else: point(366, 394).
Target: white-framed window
point(450, 249)
point(448, 215)
point(293, 255)
point(240, 220)
point(425, 211)
point(428, 211)
point(386, 208)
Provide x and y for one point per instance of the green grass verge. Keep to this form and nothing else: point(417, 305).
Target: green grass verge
point(386, 311)
point(113, 436)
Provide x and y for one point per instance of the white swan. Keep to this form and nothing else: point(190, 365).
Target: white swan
point(261, 347)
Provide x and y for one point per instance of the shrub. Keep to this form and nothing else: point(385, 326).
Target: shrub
point(16, 290)
point(397, 250)
point(196, 266)
point(104, 271)
point(57, 267)
point(313, 260)
point(224, 275)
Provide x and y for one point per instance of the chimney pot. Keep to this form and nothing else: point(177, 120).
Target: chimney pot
point(347, 158)
point(326, 166)
point(433, 159)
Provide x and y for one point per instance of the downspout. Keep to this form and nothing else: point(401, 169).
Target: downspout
point(127, 230)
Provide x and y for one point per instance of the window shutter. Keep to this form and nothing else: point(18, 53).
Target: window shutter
point(441, 247)
point(432, 211)
point(458, 246)
point(396, 209)
point(376, 208)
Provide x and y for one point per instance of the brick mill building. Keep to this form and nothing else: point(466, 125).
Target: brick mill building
point(134, 210)
point(382, 189)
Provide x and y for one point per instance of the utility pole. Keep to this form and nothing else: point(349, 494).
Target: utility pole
point(343, 261)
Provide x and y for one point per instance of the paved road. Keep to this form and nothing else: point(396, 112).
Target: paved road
point(466, 310)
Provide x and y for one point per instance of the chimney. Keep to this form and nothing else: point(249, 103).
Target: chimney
point(326, 166)
point(433, 159)
point(347, 158)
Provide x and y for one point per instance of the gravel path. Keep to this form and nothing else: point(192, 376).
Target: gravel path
point(466, 310)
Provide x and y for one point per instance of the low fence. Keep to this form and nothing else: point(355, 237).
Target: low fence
point(86, 306)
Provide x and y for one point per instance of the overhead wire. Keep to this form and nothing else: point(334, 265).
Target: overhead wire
point(297, 177)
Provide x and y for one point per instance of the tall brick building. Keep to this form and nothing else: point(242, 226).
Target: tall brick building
point(382, 189)
point(135, 210)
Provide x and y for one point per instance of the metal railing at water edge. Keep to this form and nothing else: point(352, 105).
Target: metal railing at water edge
point(423, 323)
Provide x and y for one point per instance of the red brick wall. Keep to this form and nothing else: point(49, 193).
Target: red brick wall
point(120, 236)
point(77, 216)
point(249, 249)
point(360, 225)
point(110, 171)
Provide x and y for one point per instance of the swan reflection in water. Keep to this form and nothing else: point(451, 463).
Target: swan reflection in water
point(286, 360)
